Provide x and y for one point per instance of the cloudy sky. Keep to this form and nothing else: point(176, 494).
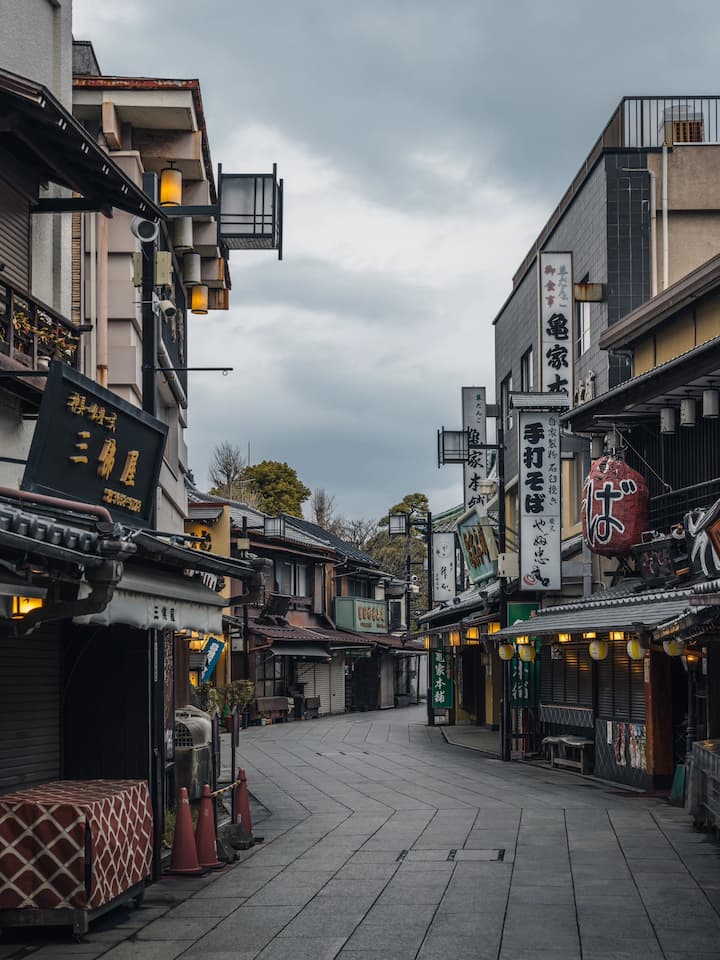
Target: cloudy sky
point(423, 145)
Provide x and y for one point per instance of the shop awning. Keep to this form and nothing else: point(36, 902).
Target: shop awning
point(301, 651)
point(44, 137)
point(147, 599)
point(632, 613)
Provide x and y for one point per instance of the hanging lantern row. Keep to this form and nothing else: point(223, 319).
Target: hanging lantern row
point(636, 648)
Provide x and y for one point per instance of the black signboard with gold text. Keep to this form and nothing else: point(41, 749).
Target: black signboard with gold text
point(93, 446)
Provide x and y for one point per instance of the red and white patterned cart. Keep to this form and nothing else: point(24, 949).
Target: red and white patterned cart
point(72, 849)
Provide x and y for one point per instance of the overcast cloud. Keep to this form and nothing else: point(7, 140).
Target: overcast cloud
point(423, 146)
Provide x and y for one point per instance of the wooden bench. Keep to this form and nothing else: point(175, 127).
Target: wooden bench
point(569, 751)
point(277, 708)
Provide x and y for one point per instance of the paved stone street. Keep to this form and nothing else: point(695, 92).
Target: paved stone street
point(384, 841)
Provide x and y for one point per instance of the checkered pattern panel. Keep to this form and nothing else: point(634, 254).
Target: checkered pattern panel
point(73, 844)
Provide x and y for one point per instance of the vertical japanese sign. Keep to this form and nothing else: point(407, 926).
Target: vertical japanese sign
point(474, 420)
point(211, 651)
point(524, 677)
point(556, 311)
point(539, 495)
point(443, 566)
point(441, 679)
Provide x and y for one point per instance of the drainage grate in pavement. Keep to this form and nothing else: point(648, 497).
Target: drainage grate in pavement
point(453, 855)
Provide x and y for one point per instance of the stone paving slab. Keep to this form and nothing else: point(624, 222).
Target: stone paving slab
point(361, 817)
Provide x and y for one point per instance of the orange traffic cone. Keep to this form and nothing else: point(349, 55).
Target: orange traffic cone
point(242, 800)
point(205, 842)
point(184, 860)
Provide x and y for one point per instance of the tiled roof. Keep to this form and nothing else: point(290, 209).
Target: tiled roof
point(340, 546)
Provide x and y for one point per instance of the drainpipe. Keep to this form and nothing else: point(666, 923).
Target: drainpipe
point(95, 510)
point(102, 301)
point(666, 269)
point(653, 234)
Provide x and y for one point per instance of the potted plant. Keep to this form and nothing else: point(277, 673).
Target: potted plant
point(236, 695)
point(209, 698)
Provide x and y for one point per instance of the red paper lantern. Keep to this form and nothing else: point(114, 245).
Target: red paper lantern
point(614, 507)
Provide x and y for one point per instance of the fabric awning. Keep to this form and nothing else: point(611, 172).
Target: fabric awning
point(301, 651)
point(45, 137)
point(631, 613)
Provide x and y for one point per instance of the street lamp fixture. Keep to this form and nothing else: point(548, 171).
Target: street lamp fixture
point(398, 524)
point(274, 527)
point(171, 183)
point(199, 299)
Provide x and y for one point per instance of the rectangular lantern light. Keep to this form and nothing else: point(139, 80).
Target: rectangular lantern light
point(251, 210)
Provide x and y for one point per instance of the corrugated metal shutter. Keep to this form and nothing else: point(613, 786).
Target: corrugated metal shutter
point(337, 684)
point(29, 711)
point(621, 686)
point(15, 233)
point(316, 677)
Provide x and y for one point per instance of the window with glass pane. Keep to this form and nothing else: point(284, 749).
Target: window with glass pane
point(505, 391)
point(526, 371)
point(582, 328)
point(301, 580)
point(284, 577)
point(360, 588)
point(270, 675)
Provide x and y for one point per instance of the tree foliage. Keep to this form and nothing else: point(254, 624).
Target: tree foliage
point(278, 486)
point(412, 503)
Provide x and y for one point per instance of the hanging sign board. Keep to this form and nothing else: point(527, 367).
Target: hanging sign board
point(477, 542)
point(441, 682)
point(212, 652)
point(474, 420)
point(91, 445)
point(556, 312)
point(443, 566)
point(540, 499)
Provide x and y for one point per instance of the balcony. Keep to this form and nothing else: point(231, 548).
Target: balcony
point(670, 508)
point(31, 335)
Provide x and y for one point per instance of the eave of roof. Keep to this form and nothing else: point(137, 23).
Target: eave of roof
point(66, 152)
point(158, 83)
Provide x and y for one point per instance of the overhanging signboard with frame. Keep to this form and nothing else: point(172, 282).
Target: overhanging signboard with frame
point(443, 567)
point(477, 542)
point(441, 679)
point(91, 445)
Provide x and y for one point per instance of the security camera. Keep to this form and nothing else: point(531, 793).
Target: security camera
point(168, 309)
point(144, 230)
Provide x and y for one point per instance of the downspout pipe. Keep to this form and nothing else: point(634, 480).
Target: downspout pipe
point(666, 252)
point(95, 510)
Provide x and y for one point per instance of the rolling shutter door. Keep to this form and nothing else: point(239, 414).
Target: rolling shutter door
point(15, 231)
point(29, 711)
point(337, 684)
point(316, 677)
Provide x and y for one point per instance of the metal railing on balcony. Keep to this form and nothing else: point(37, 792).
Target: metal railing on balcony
point(31, 333)
point(670, 508)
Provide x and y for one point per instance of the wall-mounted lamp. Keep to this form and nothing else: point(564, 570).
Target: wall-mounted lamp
point(668, 420)
point(618, 635)
point(454, 638)
point(170, 187)
point(183, 234)
point(494, 627)
point(590, 635)
point(598, 649)
point(522, 640)
point(191, 269)
point(674, 648)
point(21, 606)
point(472, 633)
point(688, 413)
point(711, 404)
point(199, 299)
point(636, 649)
point(426, 642)
point(564, 637)
point(526, 652)
point(691, 660)
point(506, 651)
